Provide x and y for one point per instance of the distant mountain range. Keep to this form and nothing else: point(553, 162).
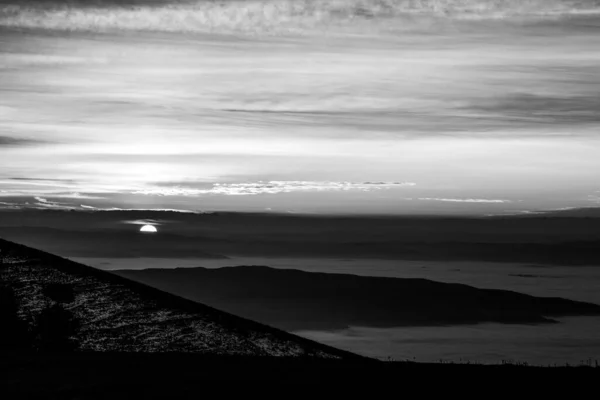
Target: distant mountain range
point(296, 300)
point(557, 238)
point(93, 310)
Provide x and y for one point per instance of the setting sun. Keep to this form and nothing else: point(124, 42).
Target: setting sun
point(148, 229)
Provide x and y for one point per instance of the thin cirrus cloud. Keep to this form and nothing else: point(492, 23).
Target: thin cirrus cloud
point(49, 193)
point(33, 185)
point(40, 203)
point(44, 181)
point(273, 187)
point(44, 203)
point(77, 195)
point(55, 188)
point(465, 200)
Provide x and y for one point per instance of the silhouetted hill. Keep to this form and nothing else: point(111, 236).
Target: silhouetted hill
point(67, 305)
point(298, 300)
point(185, 376)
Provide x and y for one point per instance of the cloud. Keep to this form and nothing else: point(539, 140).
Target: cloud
point(595, 197)
point(173, 210)
point(49, 193)
point(11, 141)
point(273, 187)
point(44, 203)
point(42, 180)
point(88, 207)
point(77, 195)
point(8, 206)
point(465, 200)
point(25, 184)
point(573, 109)
point(550, 210)
point(49, 204)
point(554, 212)
point(147, 222)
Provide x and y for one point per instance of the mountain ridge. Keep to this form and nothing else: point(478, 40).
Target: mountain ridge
point(297, 300)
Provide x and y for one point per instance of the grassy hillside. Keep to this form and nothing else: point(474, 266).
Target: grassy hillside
point(67, 305)
point(267, 16)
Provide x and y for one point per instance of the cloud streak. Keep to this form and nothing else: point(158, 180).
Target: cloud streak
point(44, 203)
point(574, 109)
point(273, 187)
point(54, 194)
point(11, 141)
point(43, 180)
point(465, 200)
point(8, 206)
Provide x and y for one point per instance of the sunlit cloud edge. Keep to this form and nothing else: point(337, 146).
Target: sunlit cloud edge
point(272, 187)
point(451, 200)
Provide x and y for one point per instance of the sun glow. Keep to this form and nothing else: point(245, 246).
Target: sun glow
point(148, 229)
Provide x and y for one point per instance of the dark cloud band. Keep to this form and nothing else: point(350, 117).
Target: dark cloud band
point(11, 141)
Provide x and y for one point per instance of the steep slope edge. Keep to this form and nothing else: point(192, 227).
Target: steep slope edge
point(116, 314)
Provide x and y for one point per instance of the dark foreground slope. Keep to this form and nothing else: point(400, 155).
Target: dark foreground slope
point(175, 376)
point(297, 300)
point(111, 313)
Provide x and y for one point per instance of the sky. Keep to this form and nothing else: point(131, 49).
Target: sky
point(469, 124)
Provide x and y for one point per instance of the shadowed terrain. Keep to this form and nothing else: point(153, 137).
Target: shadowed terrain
point(298, 300)
point(166, 362)
point(127, 376)
point(109, 313)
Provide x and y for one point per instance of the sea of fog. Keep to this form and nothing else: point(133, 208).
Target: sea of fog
point(574, 340)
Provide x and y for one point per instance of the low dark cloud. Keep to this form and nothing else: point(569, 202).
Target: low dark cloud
point(6, 141)
point(537, 108)
point(41, 180)
point(185, 184)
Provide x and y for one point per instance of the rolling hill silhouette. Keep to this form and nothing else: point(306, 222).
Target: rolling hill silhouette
point(297, 300)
